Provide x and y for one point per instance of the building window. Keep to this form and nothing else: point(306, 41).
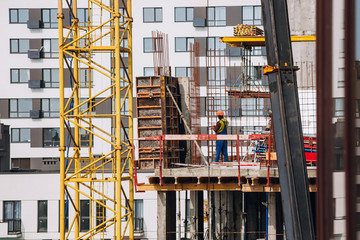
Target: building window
point(48, 18)
point(215, 47)
point(50, 107)
point(85, 77)
point(50, 48)
point(19, 75)
point(259, 51)
point(247, 130)
point(183, 72)
point(216, 16)
point(138, 215)
point(148, 46)
point(124, 106)
point(216, 75)
point(357, 111)
point(20, 108)
point(83, 16)
point(100, 213)
point(341, 49)
point(85, 138)
point(124, 44)
point(152, 14)
point(149, 71)
point(42, 215)
point(50, 77)
point(358, 137)
point(253, 107)
point(20, 163)
point(84, 215)
point(12, 215)
point(20, 135)
point(339, 107)
point(19, 15)
point(184, 14)
point(19, 45)
point(182, 44)
point(341, 79)
point(252, 15)
point(51, 137)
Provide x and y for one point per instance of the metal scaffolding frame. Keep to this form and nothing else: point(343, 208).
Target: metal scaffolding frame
point(98, 178)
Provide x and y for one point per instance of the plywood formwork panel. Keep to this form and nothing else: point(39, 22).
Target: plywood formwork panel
point(157, 115)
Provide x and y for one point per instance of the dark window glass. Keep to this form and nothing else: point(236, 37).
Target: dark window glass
point(51, 137)
point(42, 215)
point(12, 215)
point(84, 215)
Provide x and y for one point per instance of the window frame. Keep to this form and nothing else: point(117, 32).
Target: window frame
point(155, 15)
point(19, 40)
point(51, 143)
point(19, 135)
point(18, 70)
point(53, 42)
point(17, 13)
point(339, 112)
point(52, 24)
point(187, 18)
point(219, 47)
point(253, 19)
point(44, 218)
point(17, 112)
point(50, 111)
point(215, 22)
point(14, 219)
point(144, 49)
point(50, 83)
point(188, 40)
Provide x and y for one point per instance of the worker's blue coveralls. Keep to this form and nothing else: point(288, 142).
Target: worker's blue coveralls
point(221, 145)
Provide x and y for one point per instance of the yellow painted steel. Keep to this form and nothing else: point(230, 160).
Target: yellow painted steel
point(238, 41)
point(102, 177)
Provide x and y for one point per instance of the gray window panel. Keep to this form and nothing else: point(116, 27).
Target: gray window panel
point(180, 44)
point(15, 135)
point(20, 135)
point(252, 15)
point(180, 72)
point(24, 75)
point(247, 13)
point(23, 45)
point(50, 107)
point(20, 107)
point(158, 15)
point(189, 14)
point(23, 15)
point(45, 16)
point(148, 71)
point(13, 15)
point(216, 16)
point(149, 15)
point(14, 75)
point(180, 14)
point(14, 45)
point(339, 107)
point(148, 45)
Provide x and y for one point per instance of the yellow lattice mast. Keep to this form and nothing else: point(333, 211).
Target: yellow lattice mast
point(91, 56)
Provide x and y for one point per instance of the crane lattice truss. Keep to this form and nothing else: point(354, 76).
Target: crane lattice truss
point(96, 155)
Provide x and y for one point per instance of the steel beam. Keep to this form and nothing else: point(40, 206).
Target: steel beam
point(287, 122)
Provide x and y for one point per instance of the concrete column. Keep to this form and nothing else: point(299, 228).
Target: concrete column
point(271, 216)
point(166, 215)
point(197, 215)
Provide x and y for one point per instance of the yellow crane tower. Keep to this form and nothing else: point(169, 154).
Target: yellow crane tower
point(96, 152)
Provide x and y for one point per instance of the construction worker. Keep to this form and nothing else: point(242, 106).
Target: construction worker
point(221, 127)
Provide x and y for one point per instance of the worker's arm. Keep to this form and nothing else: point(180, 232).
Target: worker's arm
point(216, 127)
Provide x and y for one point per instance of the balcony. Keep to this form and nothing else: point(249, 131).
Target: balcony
point(10, 229)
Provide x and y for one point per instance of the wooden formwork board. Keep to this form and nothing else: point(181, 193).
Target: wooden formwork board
point(157, 115)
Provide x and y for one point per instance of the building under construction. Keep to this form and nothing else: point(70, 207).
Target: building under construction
point(136, 86)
